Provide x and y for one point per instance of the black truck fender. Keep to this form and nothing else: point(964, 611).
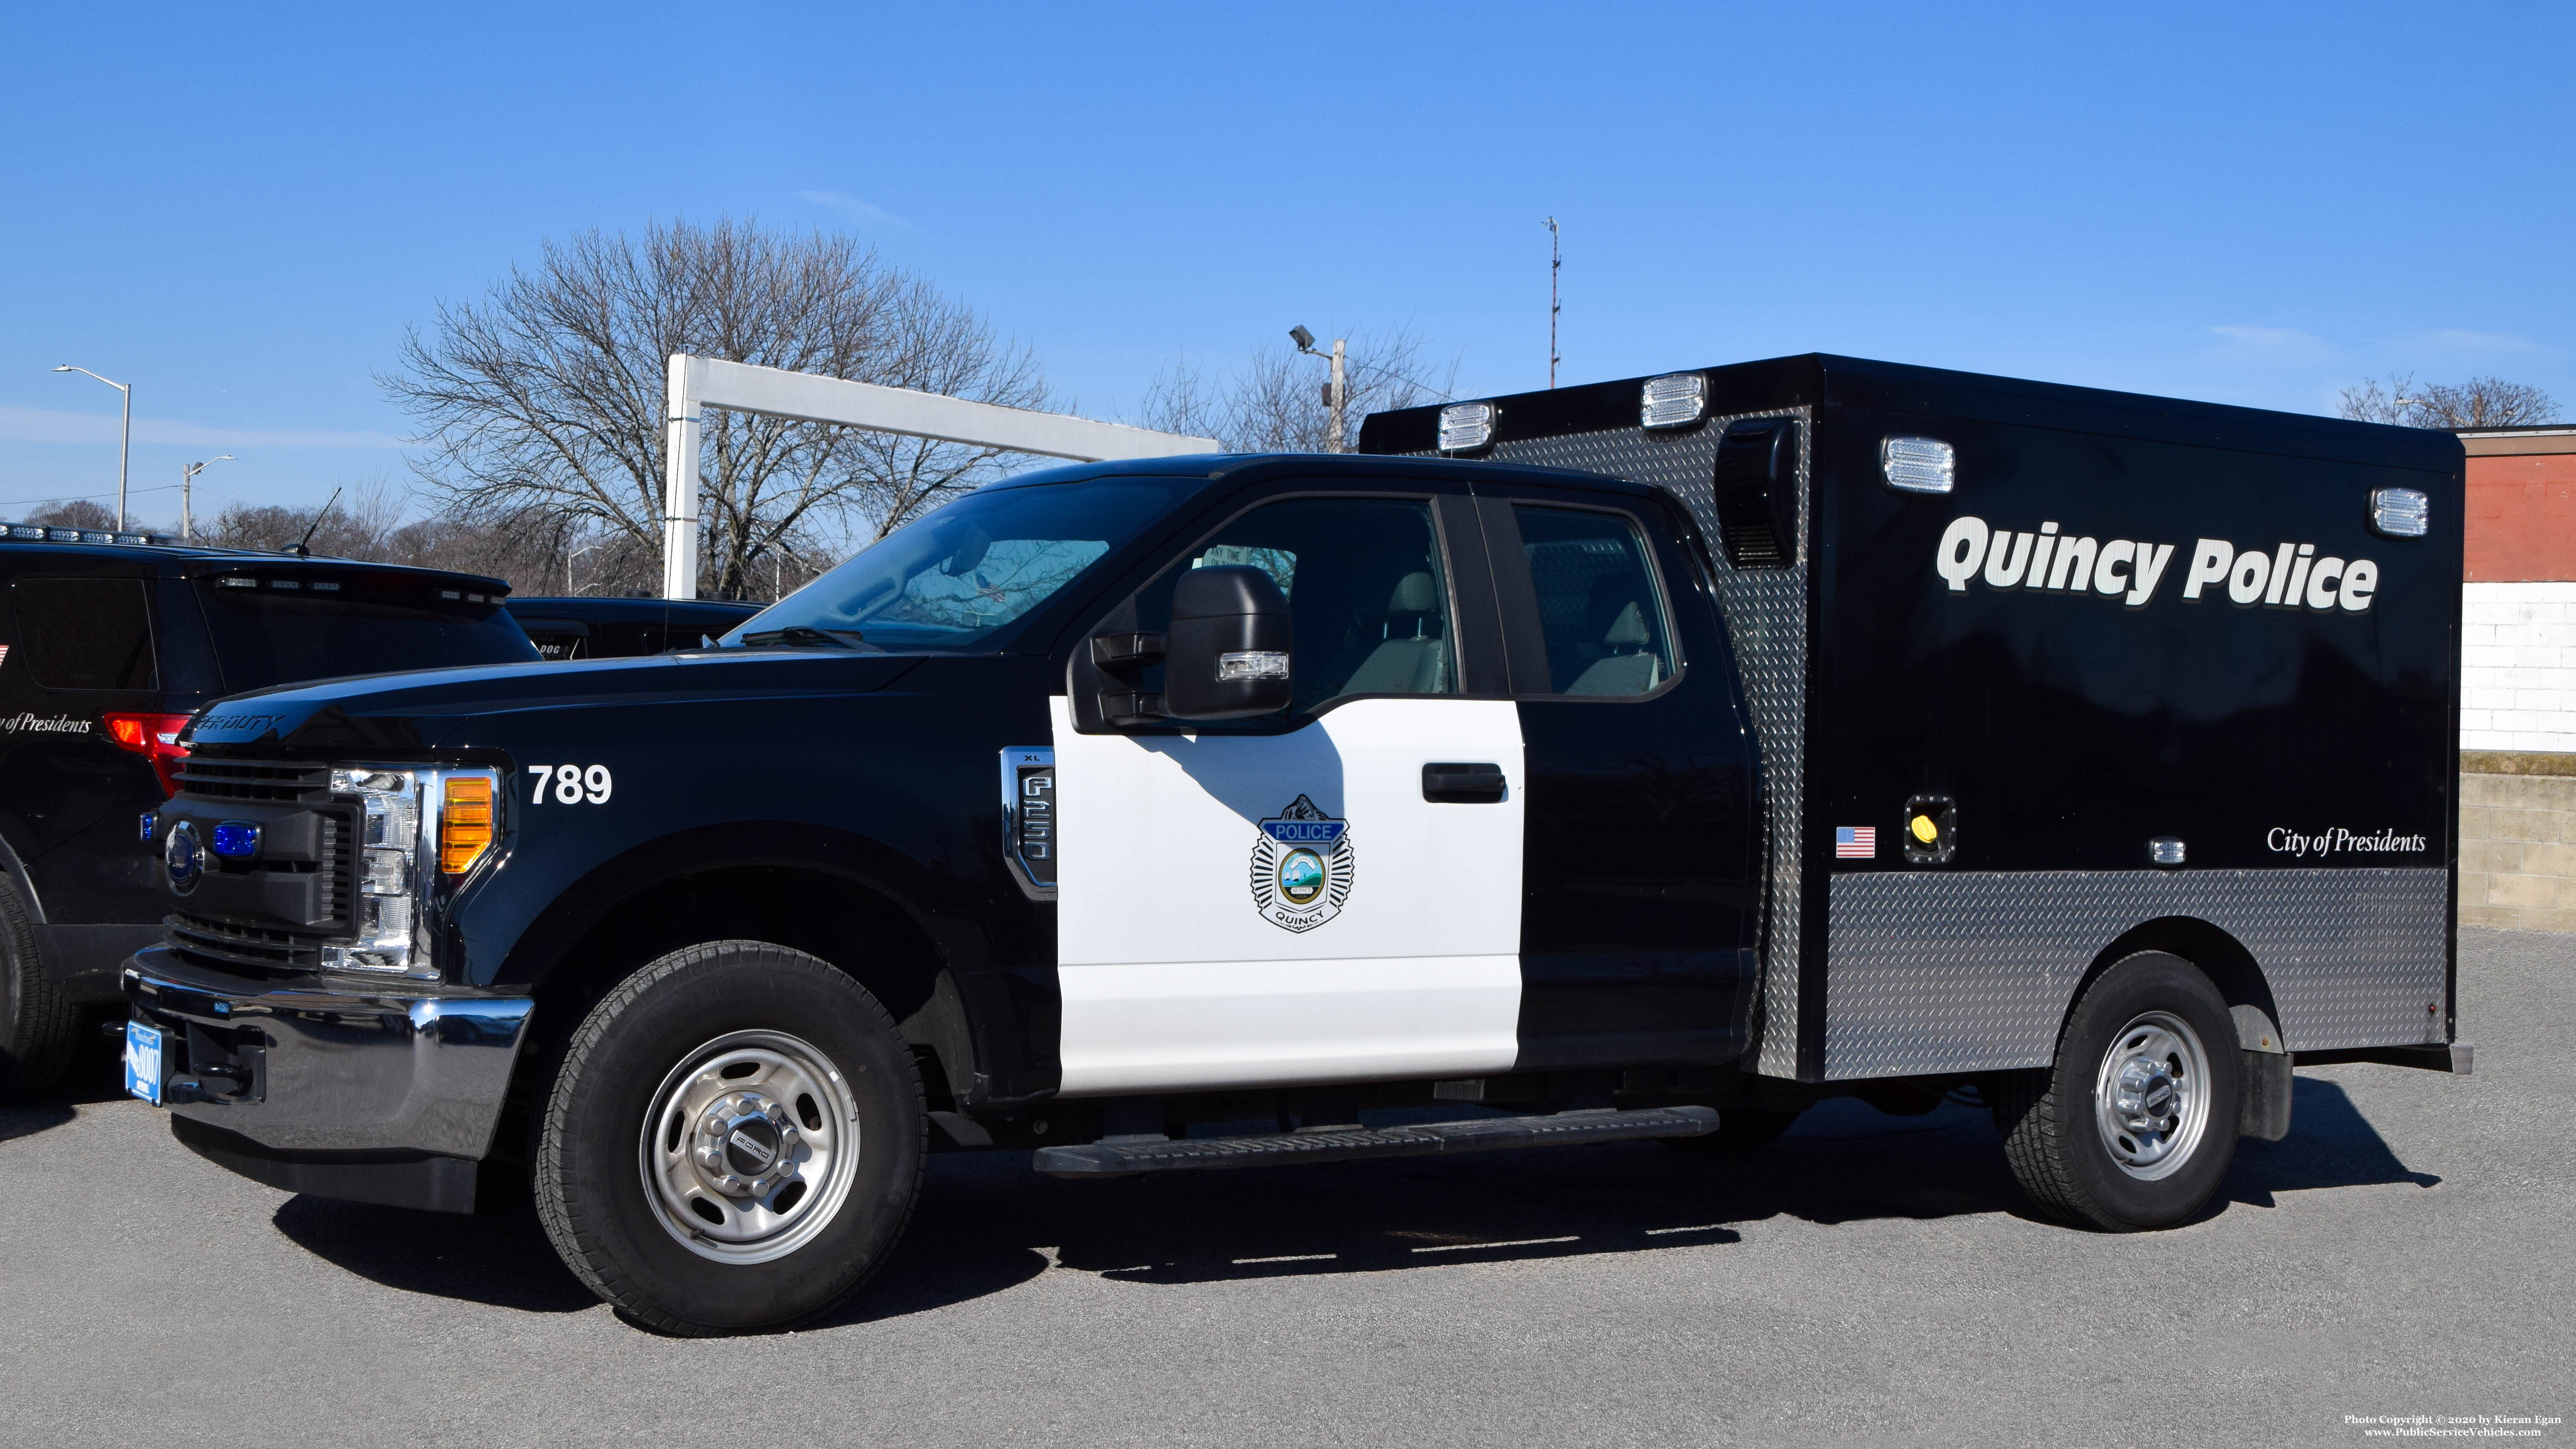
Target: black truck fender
point(2232, 968)
point(854, 902)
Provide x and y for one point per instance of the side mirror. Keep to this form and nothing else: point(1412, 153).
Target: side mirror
point(1226, 656)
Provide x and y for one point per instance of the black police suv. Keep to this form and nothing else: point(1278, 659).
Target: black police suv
point(108, 645)
point(578, 627)
point(1640, 760)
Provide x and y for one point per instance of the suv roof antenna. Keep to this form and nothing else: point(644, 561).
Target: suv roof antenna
point(303, 546)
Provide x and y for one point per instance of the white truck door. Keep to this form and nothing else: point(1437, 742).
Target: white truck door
point(1280, 903)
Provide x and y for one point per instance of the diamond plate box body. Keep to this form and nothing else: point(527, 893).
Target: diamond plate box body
point(1765, 613)
point(2295, 745)
point(1935, 972)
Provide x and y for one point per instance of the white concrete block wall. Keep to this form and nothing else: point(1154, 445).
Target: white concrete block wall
point(2518, 667)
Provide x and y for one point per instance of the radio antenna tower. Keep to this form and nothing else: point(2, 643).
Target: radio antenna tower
point(1555, 261)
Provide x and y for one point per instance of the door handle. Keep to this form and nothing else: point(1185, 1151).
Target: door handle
point(1463, 784)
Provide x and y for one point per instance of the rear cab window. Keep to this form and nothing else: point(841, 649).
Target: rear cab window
point(558, 639)
point(1600, 614)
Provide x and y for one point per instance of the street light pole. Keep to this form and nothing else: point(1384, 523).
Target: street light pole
point(1555, 264)
point(1337, 393)
point(124, 442)
point(187, 476)
point(1341, 395)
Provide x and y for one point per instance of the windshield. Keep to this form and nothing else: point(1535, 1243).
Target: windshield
point(279, 631)
point(951, 580)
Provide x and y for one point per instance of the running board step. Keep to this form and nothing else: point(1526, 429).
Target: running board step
point(1118, 1156)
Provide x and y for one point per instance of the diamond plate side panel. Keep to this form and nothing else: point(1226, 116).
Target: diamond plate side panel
point(1953, 971)
point(1765, 612)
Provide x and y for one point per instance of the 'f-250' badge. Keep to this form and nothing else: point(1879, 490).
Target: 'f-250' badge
point(1301, 867)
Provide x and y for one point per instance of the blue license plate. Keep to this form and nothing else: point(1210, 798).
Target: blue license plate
point(143, 1061)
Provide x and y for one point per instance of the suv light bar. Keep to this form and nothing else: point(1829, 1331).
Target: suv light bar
point(46, 533)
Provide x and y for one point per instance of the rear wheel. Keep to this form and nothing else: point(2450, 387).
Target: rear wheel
point(733, 1142)
point(2134, 1125)
point(39, 1030)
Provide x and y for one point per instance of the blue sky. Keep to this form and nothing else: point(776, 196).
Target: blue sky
point(240, 211)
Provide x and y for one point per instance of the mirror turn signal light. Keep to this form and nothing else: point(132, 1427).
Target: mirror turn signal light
point(464, 823)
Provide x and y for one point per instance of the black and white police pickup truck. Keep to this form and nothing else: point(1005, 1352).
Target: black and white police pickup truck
point(1640, 760)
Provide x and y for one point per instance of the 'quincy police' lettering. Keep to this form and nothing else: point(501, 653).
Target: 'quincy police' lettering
point(2290, 576)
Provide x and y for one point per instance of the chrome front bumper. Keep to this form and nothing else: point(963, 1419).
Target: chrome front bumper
point(329, 1067)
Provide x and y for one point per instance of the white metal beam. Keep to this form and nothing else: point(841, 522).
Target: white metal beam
point(698, 383)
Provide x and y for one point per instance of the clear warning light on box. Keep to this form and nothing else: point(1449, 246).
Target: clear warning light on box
point(2400, 512)
point(1918, 465)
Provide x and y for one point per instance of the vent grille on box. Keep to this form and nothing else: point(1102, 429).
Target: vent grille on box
point(1754, 546)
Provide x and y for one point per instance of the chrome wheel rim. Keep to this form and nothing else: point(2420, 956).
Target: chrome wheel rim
point(750, 1147)
point(2151, 1097)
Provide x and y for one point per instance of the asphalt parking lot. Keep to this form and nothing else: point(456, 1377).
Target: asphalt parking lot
point(1870, 1279)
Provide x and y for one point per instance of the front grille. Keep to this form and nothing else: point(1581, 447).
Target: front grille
point(238, 945)
point(207, 933)
point(279, 781)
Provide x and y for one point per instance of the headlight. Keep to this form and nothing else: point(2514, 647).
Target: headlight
point(412, 823)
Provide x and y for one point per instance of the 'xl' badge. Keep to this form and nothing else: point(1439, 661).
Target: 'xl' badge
point(1301, 867)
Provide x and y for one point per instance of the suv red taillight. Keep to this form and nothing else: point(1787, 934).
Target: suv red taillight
point(156, 738)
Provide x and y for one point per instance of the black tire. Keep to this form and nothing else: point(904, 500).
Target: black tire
point(2081, 1170)
point(39, 1030)
point(1740, 1132)
point(626, 1060)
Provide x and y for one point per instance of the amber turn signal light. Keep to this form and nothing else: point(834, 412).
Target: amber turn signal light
point(464, 823)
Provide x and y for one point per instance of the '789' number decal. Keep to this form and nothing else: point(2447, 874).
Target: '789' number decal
point(571, 784)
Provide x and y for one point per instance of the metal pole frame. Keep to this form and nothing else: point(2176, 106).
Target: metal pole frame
point(124, 451)
point(699, 383)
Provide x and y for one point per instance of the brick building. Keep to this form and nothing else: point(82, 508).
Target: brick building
point(2518, 621)
point(2518, 680)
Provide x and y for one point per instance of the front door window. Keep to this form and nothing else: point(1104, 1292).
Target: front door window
point(1367, 593)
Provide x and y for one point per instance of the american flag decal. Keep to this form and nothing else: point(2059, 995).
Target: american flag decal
point(1855, 842)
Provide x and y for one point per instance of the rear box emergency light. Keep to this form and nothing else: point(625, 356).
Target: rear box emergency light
point(1466, 427)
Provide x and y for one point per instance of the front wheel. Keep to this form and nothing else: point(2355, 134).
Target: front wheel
point(2133, 1126)
point(39, 1030)
point(733, 1142)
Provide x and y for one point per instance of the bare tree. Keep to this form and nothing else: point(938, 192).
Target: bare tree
point(2481, 402)
point(546, 400)
point(75, 513)
point(356, 523)
point(1276, 403)
point(937, 347)
point(539, 551)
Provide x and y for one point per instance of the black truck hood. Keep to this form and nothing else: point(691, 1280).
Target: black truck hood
point(413, 711)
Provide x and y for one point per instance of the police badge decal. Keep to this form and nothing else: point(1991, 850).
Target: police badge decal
point(1301, 867)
